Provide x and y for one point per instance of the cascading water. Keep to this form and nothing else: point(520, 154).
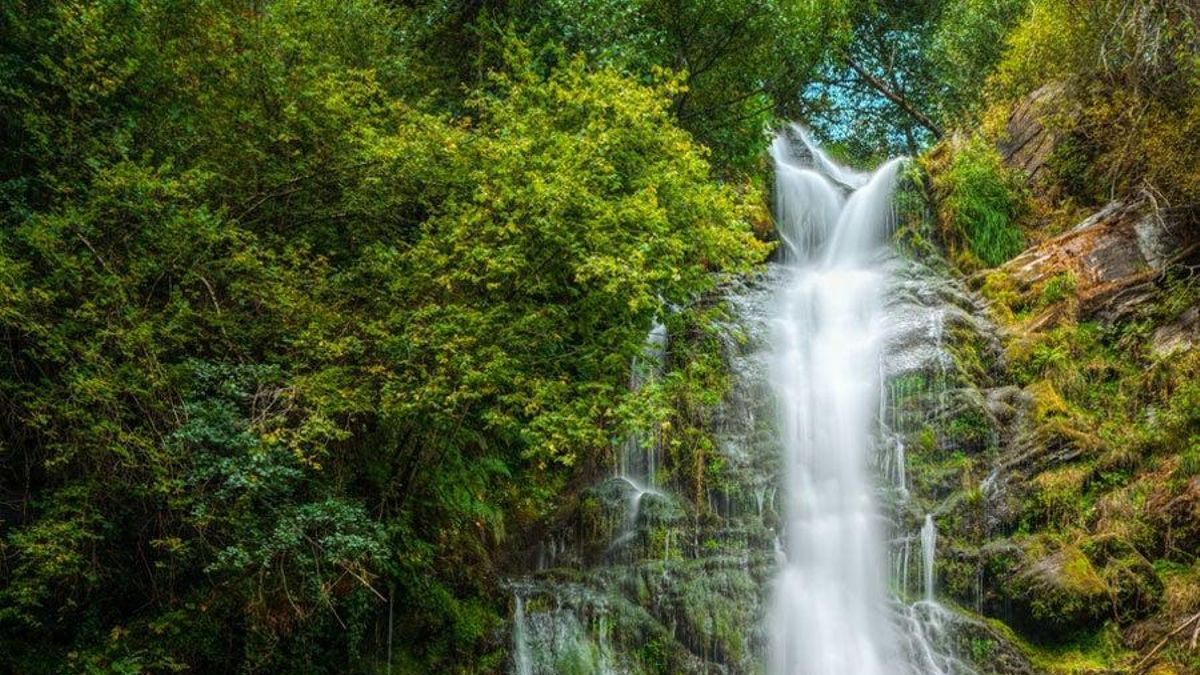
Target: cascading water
point(638, 577)
point(928, 546)
point(829, 613)
point(639, 456)
point(638, 462)
point(522, 663)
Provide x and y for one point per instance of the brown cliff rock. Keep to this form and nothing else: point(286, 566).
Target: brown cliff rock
point(1113, 257)
point(1028, 141)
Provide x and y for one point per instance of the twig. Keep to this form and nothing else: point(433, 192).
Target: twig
point(364, 582)
point(96, 253)
point(1180, 627)
point(211, 294)
point(901, 102)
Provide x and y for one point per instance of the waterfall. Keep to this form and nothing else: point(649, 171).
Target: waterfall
point(639, 457)
point(522, 663)
point(829, 605)
point(638, 462)
point(928, 548)
point(810, 342)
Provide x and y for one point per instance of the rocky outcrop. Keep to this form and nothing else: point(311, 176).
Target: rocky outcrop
point(1176, 514)
point(1111, 258)
point(1178, 336)
point(1028, 141)
point(1051, 590)
point(1059, 592)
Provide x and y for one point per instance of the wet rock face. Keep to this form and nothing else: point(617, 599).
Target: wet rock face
point(1028, 142)
point(1131, 579)
point(635, 579)
point(991, 653)
point(629, 584)
point(1040, 437)
point(1112, 258)
point(1052, 590)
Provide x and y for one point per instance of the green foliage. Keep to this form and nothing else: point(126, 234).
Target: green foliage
point(980, 203)
point(909, 71)
point(1130, 110)
point(309, 305)
point(742, 61)
point(654, 656)
point(1060, 287)
point(287, 341)
point(968, 43)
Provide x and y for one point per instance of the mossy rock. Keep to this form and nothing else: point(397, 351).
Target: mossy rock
point(1057, 592)
point(1174, 512)
point(1068, 433)
point(991, 650)
point(717, 609)
point(1007, 403)
point(965, 422)
point(1136, 587)
point(1057, 496)
point(1047, 402)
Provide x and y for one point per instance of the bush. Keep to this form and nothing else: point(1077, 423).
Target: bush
point(981, 201)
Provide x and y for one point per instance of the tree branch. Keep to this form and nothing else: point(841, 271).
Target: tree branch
point(901, 102)
point(1194, 618)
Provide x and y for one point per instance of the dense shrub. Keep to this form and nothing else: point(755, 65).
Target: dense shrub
point(980, 203)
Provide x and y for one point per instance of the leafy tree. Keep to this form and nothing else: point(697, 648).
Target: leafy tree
point(1128, 111)
point(286, 343)
point(908, 71)
point(745, 63)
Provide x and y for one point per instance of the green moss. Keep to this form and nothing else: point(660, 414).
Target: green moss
point(1047, 402)
point(1059, 498)
point(654, 657)
point(1093, 653)
point(717, 605)
point(1058, 288)
point(1100, 652)
point(1068, 433)
point(927, 440)
point(972, 360)
point(1189, 461)
point(1058, 595)
point(582, 657)
point(969, 431)
point(1000, 291)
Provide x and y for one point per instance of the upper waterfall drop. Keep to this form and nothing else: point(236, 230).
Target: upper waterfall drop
point(829, 608)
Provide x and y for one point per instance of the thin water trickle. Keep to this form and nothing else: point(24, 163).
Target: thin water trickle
point(637, 465)
point(829, 602)
point(638, 461)
point(522, 662)
point(928, 549)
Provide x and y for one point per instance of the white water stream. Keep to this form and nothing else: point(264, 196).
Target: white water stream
point(522, 662)
point(829, 613)
point(928, 546)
